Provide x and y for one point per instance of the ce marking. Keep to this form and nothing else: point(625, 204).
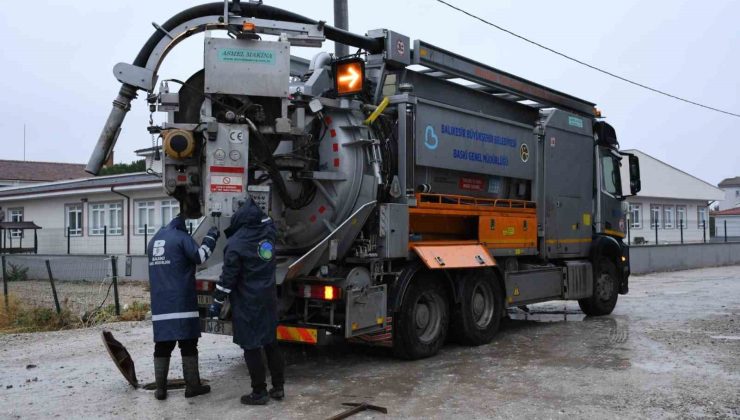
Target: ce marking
point(236, 136)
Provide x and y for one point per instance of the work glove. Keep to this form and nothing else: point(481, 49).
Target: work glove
point(214, 309)
point(211, 237)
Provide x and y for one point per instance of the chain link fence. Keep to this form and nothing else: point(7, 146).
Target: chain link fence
point(82, 287)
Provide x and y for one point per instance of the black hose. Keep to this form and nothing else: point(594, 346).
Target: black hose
point(259, 11)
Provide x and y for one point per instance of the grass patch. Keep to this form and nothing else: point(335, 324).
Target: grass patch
point(18, 318)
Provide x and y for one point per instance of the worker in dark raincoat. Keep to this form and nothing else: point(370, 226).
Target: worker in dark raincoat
point(173, 256)
point(248, 279)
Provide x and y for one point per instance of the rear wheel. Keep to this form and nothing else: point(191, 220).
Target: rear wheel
point(422, 323)
point(606, 290)
point(478, 317)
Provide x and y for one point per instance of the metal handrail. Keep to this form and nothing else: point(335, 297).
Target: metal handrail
point(425, 199)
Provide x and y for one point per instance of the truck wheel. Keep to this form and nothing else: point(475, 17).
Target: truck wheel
point(606, 288)
point(423, 319)
point(478, 317)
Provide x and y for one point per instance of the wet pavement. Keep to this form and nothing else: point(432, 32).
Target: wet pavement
point(670, 349)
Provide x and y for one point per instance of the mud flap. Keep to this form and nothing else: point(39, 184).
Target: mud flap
point(121, 358)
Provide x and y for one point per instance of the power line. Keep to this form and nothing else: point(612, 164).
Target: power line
point(583, 63)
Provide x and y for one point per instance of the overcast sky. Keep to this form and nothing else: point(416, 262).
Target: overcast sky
point(57, 59)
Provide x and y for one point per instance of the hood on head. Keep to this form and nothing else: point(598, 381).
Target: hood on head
point(177, 223)
point(249, 214)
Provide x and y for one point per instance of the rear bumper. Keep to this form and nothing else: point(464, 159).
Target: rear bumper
point(284, 333)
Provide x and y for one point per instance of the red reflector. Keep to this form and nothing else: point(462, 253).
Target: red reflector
point(182, 178)
point(335, 147)
point(204, 285)
point(336, 162)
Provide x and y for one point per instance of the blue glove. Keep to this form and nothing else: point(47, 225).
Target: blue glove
point(211, 237)
point(214, 309)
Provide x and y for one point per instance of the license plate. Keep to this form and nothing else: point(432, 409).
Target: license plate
point(215, 326)
point(205, 300)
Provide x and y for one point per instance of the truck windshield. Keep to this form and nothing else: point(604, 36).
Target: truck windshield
point(612, 182)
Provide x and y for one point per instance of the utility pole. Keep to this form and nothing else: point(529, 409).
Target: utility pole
point(24, 142)
point(341, 21)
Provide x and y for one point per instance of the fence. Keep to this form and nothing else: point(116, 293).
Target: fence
point(105, 240)
point(82, 285)
point(708, 232)
point(652, 258)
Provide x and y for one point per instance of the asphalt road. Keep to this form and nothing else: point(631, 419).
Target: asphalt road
point(671, 349)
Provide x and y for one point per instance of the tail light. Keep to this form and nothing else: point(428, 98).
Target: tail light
point(204, 285)
point(320, 291)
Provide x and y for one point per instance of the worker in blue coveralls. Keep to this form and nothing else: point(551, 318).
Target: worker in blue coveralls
point(173, 255)
point(248, 278)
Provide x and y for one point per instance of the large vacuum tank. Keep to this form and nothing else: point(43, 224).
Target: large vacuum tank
point(469, 153)
point(344, 182)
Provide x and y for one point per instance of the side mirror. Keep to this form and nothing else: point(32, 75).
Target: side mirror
point(635, 185)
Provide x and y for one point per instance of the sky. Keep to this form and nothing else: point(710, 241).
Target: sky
point(56, 73)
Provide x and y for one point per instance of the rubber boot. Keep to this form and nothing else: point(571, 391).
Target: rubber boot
point(161, 369)
point(277, 392)
point(260, 397)
point(190, 372)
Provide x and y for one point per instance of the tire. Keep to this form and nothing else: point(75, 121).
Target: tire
point(421, 328)
point(606, 290)
point(478, 317)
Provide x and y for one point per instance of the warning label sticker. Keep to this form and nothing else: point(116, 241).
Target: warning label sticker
point(472, 184)
point(226, 183)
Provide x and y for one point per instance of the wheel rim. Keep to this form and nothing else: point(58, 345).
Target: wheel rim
point(604, 287)
point(428, 317)
point(482, 305)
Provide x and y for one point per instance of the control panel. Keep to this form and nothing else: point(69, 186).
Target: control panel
point(261, 196)
point(225, 175)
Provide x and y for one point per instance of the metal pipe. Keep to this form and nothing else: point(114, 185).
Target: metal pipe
point(341, 21)
point(111, 129)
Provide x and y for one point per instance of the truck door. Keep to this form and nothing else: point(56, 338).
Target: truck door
point(611, 214)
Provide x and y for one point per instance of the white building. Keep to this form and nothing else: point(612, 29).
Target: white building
point(731, 188)
point(114, 214)
point(729, 219)
point(671, 201)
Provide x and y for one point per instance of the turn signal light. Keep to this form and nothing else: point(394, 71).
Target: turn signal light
point(317, 291)
point(349, 76)
point(248, 26)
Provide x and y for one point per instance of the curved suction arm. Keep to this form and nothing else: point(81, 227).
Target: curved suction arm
point(183, 25)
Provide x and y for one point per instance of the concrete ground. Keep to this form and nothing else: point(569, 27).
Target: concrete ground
point(671, 349)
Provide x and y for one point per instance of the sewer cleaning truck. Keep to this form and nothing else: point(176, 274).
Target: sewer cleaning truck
point(417, 193)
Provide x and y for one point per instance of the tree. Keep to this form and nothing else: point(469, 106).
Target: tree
point(125, 168)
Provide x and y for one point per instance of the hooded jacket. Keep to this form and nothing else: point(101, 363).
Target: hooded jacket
point(173, 256)
point(249, 276)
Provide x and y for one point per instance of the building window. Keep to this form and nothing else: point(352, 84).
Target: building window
point(108, 215)
point(73, 219)
point(15, 215)
point(654, 216)
point(701, 213)
point(170, 209)
point(635, 216)
point(145, 217)
point(681, 216)
point(669, 217)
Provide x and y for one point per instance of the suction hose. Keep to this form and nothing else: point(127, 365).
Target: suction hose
point(127, 93)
